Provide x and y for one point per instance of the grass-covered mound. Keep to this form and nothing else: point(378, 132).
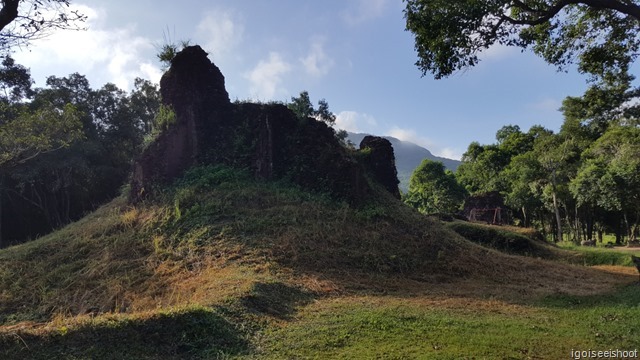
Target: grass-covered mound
point(505, 239)
point(529, 242)
point(222, 255)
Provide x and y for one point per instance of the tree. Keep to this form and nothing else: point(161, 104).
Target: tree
point(145, 101)
point(610, 176)
point(45, 189)
point(523, 175)
point(303, 108)
point(432, 190)
point(32, 134)
point(302, 105)
point(481, 166)
point(15, 81)
point(601, 35)
point(22, 21)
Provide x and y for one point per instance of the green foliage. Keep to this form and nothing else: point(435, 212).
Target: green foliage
point(302, 105)
point(95, 134)
point(480, 168)
point(303, 108)
point(208, 176)
point(609, 177)
point(15, 81)
point(32, 134)
point(165, 118)
point(324, 114)
point(169, 49)
point(145, 102)
point(450, 35)
point(601, 37)
point(434, 190)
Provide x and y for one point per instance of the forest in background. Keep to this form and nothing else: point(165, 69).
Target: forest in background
point(66, 148)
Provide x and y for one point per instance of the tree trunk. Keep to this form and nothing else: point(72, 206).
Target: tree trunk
point(556, 209)
point(618, 234)
point(543, 226)
point(589, 221)
point(600, 234)
point(524, 217)
point(627, 226)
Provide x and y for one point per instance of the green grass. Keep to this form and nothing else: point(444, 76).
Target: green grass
point(501, 239)
point(393, 328)
point(506, 239)
point(591, 256)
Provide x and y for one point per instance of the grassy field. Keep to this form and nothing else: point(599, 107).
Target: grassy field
point(221, 266)
point(393, 327)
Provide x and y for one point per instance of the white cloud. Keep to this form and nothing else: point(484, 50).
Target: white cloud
point(355, 122)
point(111, 55)
point(499, 52)
point(317, 63)
point(409, 135)
point(450, 153)
point(546, 105)
point(222, 31)
point(434, 148)
point(362, 11)
point(266, 77)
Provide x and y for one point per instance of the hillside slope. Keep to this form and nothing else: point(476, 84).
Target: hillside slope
point(220, 249)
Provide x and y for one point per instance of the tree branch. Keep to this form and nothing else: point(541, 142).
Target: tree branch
point(9, 12)
point(627, 8)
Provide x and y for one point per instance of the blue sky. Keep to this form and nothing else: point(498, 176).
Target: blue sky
point(354, 53)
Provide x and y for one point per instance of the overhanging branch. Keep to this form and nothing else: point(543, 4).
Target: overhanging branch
point(540, 16)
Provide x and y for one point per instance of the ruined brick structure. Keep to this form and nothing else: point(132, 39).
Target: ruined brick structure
point(267, 139)
point(380, 162)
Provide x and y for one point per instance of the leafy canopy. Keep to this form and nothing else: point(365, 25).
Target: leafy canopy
point(449, 35)
point(303, 108)
point(42, 131)
point(432, 190)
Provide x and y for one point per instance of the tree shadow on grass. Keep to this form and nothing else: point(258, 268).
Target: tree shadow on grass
point(624, 297)
point(276, 299)
point(187, 334)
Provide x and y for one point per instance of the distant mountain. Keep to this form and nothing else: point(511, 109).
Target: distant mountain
point(408, 157)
